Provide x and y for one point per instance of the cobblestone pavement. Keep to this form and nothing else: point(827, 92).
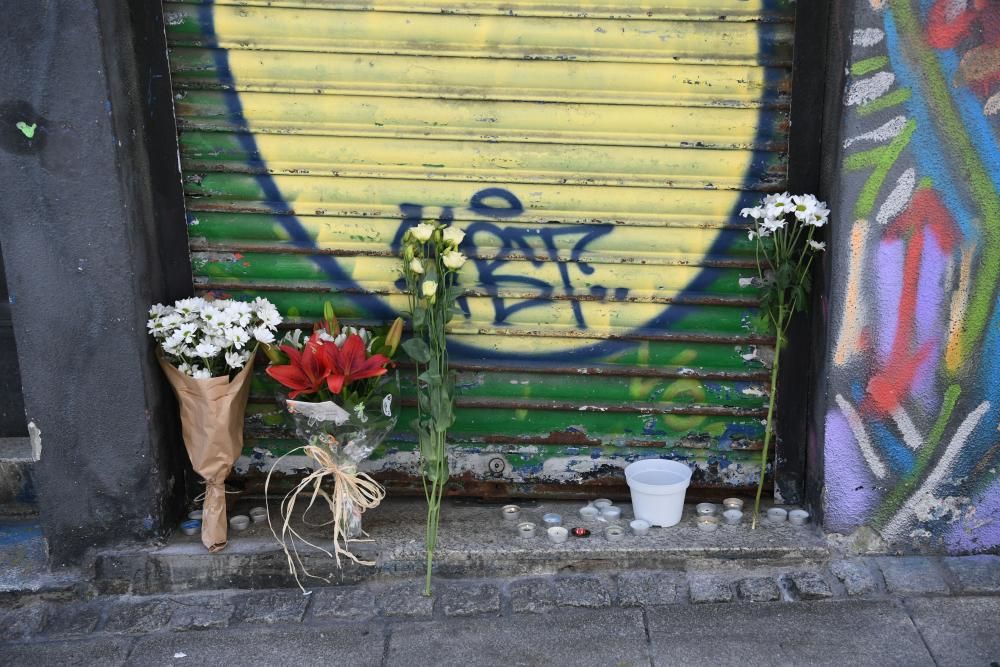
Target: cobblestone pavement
point(879, 610)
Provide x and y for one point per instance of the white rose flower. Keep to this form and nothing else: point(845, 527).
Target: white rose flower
point(422, 232)
point(416, 266)
point(453, 235)
point(817, 245)
point(429, 288)
point(263, 335)
point(453, 260)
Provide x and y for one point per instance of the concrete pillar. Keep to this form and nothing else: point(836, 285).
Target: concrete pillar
point(92, 231)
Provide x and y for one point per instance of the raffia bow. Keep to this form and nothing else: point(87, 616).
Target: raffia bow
point(349, 485)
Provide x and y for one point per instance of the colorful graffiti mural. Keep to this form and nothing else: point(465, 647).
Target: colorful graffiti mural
point(912, 442)
point(595, 157)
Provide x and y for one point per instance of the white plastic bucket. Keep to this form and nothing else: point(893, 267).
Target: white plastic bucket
point(658, 487)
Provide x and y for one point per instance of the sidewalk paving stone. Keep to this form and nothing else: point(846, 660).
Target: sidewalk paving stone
point(469, 598)
point(976, 574)
point(839, 632)
point(808, 585)
point(758, 589)
point(959, 631)
point(269, 607)
point(572, 637)
point(405, 600)
point(706, 588)
point(855, 576)
point(22, 621)
point(73, 618)
point(201, 613)
point(908, 575)
point(85, 652)
point(636, 589)
point(138, 617)
point(350, 602)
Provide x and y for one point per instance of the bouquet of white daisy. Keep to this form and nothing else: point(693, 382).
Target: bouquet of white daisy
point(206, 349)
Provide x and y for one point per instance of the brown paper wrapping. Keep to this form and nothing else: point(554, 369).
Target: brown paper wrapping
point(212, 413)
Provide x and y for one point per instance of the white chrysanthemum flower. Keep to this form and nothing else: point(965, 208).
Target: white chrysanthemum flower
point(188, 330)
point(416, 266)
point(263, 335)
point(772, 224)
point(185, 368)
point(201, 373)
point(756, 213)
point(453, 235)
point(206, 350)
point(159, 310)
point(817, 245)
point(453, 260)
point(237, 337)
point(820, 216)
point(234, 360)
point(429, 288)
point(804, 206)
point(422, 232)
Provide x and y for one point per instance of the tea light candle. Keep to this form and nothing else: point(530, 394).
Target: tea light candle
point(708, 523)
point(239, 522)
point(526, 530)
point(705, 509)
point(732, 517)
point(580, 532)
point(258, 514)
point(557, 534)
point(552, 519)
point(639, 527)
point(195, 515)
point(601, 503)
point(191, 527)
point(511, 512)
point(614, 533)
point(798, 517)
point(777, 515)
point(733, 504)
point(589, 513)
point(611, 513)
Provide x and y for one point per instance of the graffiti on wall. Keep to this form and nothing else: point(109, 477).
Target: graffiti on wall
point(912, 446)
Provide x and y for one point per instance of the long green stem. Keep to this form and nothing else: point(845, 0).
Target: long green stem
point(770, 409)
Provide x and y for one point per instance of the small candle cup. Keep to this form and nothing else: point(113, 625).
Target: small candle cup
point(239, 522)
point(589, 513)
point(639, 527)
point(525, 530)
point(733, 504)
point(191, 527)
point(601, 503)
point(258, 514)
point(777, 514)
point(580, 531)
point(706, 509)
point(195, 515)
point(708, 523)
point(611, 513)
point(614, 533)
point(798, 517)
point(552, 519)
point(511, 512)
point(732, 517)
point(557, 534)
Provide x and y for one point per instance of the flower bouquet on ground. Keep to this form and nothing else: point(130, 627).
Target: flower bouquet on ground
point(206, 349)
point(344, 402)
point(783, 227)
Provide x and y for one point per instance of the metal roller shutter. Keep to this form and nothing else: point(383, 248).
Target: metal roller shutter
point(596, 154)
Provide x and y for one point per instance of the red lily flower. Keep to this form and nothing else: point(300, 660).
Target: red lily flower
point(351, 362)
point(306, 370)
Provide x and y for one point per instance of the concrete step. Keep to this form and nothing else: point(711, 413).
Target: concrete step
point(474, 541)
point(25, 572)
point(17, 493)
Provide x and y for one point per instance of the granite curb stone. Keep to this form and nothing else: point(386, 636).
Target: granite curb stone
point(908, 575)
point(855, 576)
point(349, 602)
point(270, 607)
point(975, 574)
point(758, 589)
point(808, 585)
point(468, 599)
point(707, 588)
point(407, 600)
point(637, 589)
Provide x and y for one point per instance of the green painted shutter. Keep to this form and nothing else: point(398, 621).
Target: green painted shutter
point(596, 153)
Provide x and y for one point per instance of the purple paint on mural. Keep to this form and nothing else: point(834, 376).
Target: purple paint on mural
point(888, 286)
point(925, 380)
point(850, 494)
point(980, 531)
point(930, 289)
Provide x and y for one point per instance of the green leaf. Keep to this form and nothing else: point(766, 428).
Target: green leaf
point(419, 317)
point(417, 350)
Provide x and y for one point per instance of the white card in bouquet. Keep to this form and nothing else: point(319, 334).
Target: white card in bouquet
point(327, 411)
